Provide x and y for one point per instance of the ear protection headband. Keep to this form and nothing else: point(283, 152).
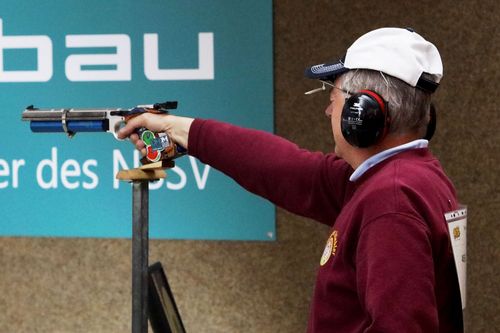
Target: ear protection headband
point(365, 119)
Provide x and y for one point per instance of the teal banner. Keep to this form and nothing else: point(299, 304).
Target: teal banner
point(213, 57)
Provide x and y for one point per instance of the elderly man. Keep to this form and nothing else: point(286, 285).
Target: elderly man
point(388, 264)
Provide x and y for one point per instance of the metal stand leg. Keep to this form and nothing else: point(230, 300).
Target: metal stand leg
point(140, 179)
point(140, 239)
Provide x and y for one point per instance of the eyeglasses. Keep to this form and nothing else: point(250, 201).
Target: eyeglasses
point(323, 88)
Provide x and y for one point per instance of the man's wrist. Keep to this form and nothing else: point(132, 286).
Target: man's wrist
point(179, 130)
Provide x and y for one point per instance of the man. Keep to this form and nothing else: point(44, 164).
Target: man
point(388, 264)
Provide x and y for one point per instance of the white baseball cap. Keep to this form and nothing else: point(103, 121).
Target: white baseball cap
point(401, 53)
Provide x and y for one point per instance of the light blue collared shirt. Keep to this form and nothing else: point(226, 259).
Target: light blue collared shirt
point(383, 155)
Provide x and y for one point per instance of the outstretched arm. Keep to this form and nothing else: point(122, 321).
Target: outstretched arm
point(306, 183)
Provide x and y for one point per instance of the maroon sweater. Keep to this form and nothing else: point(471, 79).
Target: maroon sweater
point(388, 264)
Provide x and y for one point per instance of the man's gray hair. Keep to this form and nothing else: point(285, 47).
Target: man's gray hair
point(408, 106)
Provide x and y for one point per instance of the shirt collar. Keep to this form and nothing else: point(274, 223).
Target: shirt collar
point(383, 155)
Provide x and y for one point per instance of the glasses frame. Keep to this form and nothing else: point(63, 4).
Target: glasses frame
point(323, 88)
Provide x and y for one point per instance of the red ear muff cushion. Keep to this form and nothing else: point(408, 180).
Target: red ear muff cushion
point(377, 97)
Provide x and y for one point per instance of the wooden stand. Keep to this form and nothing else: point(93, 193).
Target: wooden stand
point(148, 172)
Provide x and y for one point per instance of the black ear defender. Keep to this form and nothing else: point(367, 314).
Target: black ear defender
point(365, 119)
point(431, 126)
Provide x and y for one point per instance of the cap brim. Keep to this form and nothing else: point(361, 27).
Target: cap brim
point(326, 72)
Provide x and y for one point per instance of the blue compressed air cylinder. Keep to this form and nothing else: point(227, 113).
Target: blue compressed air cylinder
point(74, 126)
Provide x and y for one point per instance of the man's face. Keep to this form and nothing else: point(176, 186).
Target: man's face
point(334, 111)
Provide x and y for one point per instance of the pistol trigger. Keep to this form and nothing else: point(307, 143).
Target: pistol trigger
point(116, 127)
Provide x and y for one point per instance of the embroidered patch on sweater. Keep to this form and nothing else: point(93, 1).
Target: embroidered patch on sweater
point(330, 248)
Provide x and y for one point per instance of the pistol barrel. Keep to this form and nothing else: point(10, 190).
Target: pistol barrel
point(57, 115)
point(70, 121)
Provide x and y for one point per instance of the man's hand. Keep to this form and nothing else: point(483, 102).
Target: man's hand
point(176, 127)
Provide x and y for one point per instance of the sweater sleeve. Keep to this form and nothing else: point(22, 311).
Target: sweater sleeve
point(306, 183)
point(395, 275)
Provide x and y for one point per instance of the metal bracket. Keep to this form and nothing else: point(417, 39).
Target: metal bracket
point(65, 124)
